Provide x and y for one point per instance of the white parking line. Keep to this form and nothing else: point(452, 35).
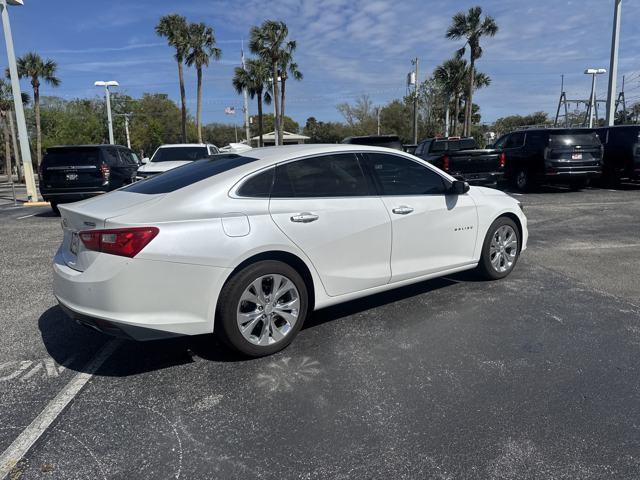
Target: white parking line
point(21, 445)
point(26, 216)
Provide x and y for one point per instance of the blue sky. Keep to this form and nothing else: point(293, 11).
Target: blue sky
point(345, 48)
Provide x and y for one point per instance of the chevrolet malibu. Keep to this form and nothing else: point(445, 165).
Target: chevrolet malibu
point(248, 244)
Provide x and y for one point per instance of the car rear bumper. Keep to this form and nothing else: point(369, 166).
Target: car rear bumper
point(485, 178)
point(576, 174)
point(137, 298)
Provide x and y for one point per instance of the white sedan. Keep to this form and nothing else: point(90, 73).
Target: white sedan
point(246, 245)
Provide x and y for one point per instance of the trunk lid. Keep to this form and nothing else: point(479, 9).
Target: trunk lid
point(93, 214)
point(574, 151)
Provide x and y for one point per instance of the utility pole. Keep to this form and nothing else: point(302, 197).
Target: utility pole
point(415, 102)
point(106, 85)
point(447, 120)
point(245, 100)
point(594, 72)
point(126, 130)
point(613, 65)
point(378, 115)
point(27, 165)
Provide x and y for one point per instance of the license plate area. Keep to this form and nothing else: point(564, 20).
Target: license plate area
point(576, 156)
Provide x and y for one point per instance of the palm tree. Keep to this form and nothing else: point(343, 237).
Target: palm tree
point(451, 77)
point(472, 27)
point(202, 47)
point(255, 78)
point(174, 28)
point(287, 66)
point(8, 130)
point(266, 41)
point(34, 67)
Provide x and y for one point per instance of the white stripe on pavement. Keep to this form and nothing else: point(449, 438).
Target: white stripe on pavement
point(26, 216)
point(21, 445)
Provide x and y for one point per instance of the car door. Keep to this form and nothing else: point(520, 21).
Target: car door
point(433, 230)
point(513, 150)
point(328, 208)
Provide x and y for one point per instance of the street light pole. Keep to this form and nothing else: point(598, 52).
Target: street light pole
point(106, 85)
point(25, 151)
point(613, 65)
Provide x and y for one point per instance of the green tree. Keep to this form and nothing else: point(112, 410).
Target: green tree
point(290, 125)
point(361, 116)
point(325, 132)
point(451, 78)
point(175, 29)
point(202, 48)
point(154, 121)
point(254, 77)
point(472, 27)
point(508, 124)
point(287, 67)
point(267, 42)
point(34, 67)
point(219, 134)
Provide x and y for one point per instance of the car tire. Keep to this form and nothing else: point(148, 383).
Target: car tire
point(522, 180)
point(54, 207)
point(250, 320)
point(500, 250)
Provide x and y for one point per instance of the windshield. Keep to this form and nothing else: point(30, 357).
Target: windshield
point(171, 154)
point(57, 157)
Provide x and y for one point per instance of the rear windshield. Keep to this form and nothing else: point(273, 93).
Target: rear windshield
point(188, 174)
point(454, 145)
point(388, 142)
point(171, 154)
point(62, 157)
point(570, 139)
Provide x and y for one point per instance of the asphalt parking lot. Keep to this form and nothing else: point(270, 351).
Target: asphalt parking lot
point(533, 377)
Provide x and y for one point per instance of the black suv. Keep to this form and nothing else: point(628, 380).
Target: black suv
point(572, 156)
point(72, 173)
point(621, 152)
point(388, 141)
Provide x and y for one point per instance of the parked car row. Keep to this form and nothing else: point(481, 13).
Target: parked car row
point(72, 173)
point(527, 158)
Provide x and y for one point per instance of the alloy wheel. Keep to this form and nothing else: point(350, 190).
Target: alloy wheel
point(503, 249)
point(268, 309)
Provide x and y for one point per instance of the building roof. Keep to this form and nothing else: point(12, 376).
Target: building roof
point(285, 136)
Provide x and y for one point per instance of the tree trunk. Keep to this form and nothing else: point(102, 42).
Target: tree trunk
point(276, 99)
point(456, 114)
point(281, 126)
point(469, 105)
point(199, 107)
point(183, 100)
point(260, 124)
point(36, 108)
point(16, 152)
point(7, 147)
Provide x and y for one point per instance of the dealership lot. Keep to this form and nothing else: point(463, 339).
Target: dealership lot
point(535, 376)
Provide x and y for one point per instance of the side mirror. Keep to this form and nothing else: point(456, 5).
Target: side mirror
point(145, 160)
point(459, 187)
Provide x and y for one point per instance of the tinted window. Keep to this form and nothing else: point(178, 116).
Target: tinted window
point(258, 186)
point(537, 139)
point(62, 157)
point(569, 139)
point(464, 144)
point(188, 174)
point(338, 175)
point(111, 157)
point(515, 140)
point(127, 156)
point(439, 146)
point(501, 142)
point(401, 176)
point(171, 154)
point(424, 146)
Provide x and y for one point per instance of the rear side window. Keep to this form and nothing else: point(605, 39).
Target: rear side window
point(258, 186)
point(188, 174)
point(338, 175)
point(537, 139)
point(63, 157)
point(401, 176)
point(515, 140)
point(111, 157)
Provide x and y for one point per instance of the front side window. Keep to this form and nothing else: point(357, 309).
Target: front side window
point(337, 175)
point(400, 176)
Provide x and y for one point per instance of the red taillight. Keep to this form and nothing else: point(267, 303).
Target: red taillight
point(126, 242)
point(105, 171)
point(445, 163)
point(503, 160)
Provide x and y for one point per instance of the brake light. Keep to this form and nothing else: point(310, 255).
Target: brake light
point(503, 160)
point(125, 242)
point(105, 171)
point(445, 163)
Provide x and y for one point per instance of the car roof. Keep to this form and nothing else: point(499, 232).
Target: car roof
point(100, 145)
point(177, 145)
